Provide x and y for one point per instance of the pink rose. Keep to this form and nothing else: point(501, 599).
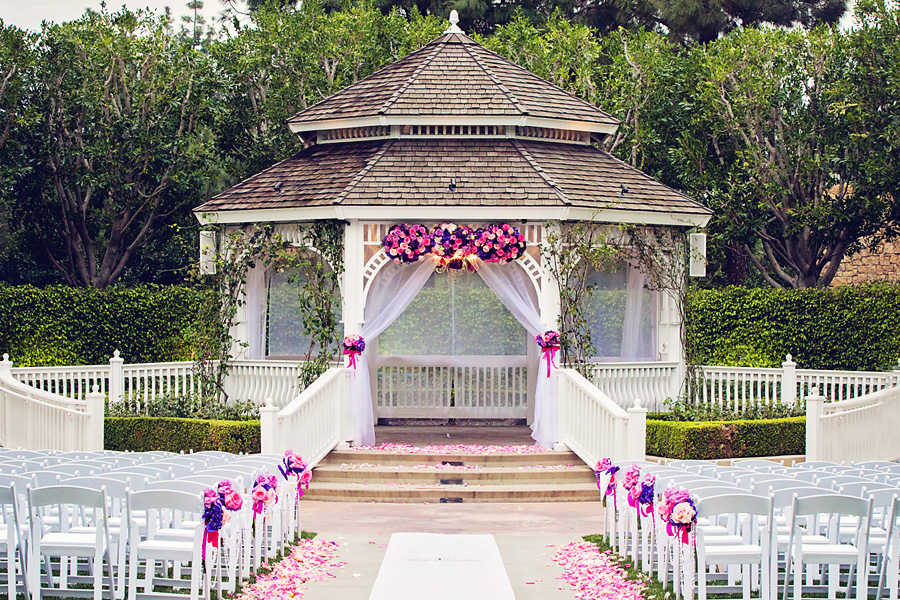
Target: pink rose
point(233, 500)
point(683, 513)
point(258, 494)
point(210, 497)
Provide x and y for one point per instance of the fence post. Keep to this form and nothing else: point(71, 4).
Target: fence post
point(116, 378)
point(636, 440)
point(896, 381)
point(814, 410)
point(96, 403)
point(268, 428)
point(6, 367)
point(788, 381)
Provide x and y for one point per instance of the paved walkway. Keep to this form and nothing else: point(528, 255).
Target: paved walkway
point(527, 536)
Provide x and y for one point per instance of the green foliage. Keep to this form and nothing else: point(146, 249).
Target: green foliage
point(853, 328)
point(67, 326)
point(184, 407)
point(685, 410)
point(726, 439)
point(143, 434)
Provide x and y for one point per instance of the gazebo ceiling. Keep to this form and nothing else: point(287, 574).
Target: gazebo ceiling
point(453, 77)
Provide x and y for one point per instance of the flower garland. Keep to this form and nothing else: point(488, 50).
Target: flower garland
point(453, 245)
point(215, 515)
point(499, 243)
point(549, 342)
point(406, 243)
point(353, 347)
point(293, 464)
point(264, 493)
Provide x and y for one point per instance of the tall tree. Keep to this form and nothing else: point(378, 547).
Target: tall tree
point(123, 132)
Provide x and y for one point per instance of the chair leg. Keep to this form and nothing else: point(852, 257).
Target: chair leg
point(97, 569)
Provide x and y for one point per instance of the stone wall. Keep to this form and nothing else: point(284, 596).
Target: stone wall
point(866, 266)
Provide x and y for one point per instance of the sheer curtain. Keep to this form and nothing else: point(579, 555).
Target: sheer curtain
point(255, 309)
point(393, 290)
point(513, 287)
point(631, 326)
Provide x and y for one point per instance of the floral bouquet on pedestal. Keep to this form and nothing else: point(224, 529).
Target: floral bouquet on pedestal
point(549, 343)
point(353, 347)
point(406, 243)
point(499, 243)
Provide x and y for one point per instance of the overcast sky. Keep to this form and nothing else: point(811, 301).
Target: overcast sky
point(28, 14)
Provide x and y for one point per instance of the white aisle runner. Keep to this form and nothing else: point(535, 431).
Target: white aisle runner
point(432, 566)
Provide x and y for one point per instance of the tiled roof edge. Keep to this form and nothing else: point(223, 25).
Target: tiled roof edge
point(540, 171)
point(362, 173)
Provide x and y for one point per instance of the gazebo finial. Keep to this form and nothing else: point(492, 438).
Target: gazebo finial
point(454, 19)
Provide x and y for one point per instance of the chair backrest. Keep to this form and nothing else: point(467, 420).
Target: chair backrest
point(207, 480)
point(135, 481)
point(114, 487)
point(147, 469)
point(180, 485)
point(874, 464)
point(21, 482)
point(74, 468)
point(46, 478)
point(756, 462)
point(815, 464)
point(165, 499)
point(809, 475)
point(785, 498)
point(767, 487)
point(833, 481)
point(31, 465)
point(734, 503)
point(178, 469)
point(709, 491)
point(858, 489)
point(66, 494)
point(832, 504)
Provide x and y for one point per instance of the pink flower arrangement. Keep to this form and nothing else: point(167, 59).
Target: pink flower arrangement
point(264, 492)
point(499, 243)
point(677, 509)
point(406, 243)
point(353, 347)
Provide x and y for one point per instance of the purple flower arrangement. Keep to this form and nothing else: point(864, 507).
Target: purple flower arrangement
point(406, 243)
point(353, 347)
point(499, 243)
point(453, 244)
point(678, 511)
point(548, 340)
point(293, 464)
point(217, 507)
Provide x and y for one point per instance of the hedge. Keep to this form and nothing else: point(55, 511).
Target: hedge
point(67, 326)
point(142, 434)
point(852, 328)
point(726, 439)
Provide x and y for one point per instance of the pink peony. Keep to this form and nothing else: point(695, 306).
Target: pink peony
point(210, 497)
point(258, 494)
point(683, 513)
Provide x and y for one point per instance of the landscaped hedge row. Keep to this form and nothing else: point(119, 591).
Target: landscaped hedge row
point(855, 328)
point(726, 439)
point(143, 434)
point(67, 326)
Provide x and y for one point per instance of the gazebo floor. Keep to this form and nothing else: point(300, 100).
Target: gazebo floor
point(425, 435)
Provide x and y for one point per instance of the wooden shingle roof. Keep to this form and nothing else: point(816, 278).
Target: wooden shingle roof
point(488, 172)
point(452, 76)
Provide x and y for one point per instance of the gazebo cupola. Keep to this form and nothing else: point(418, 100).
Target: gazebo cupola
point(454, 133)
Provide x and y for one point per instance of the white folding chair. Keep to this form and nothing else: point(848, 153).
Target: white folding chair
point(755, 553)
point(889, 571)
point(805, 514)
point(11, 541)
point(70, 503)
point(165, 510)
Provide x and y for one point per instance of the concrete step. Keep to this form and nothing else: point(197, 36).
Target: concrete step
point(416, 493)
point(505, 459)
point(494, 475)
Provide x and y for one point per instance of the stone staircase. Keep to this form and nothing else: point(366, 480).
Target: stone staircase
point(381, 476)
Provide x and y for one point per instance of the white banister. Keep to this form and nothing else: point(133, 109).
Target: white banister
point(34, 419)
point(310, 425)
point(595, 427)
point(857, 430)
point(653, 382)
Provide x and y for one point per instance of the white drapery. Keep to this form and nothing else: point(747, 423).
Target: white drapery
point(631, 326)
point(256, 291)
point(393, 289)
point(513, 287)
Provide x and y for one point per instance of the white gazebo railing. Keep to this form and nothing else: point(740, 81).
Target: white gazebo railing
point(31, 418)
point(452, 386)
point(313, 423)
point(595, 427)
point(857, 430)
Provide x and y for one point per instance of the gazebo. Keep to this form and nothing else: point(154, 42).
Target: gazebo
point(453, 134)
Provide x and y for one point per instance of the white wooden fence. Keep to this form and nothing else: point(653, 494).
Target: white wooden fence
point(593, 426)
point(31, 418)
point(858, 430)
point(313, 423)
point(253, 380)
point(652, 382)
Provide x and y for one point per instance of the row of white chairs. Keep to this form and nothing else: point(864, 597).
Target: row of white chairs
point(788, 526)
point(50, 508)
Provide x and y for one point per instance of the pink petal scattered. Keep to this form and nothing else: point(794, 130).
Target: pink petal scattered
point(594, 575)
point(309, 560)
point(451, 449)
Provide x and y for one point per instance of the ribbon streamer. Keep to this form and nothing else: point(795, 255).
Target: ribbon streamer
point(550, 357)
point(210, 537)
point(352, 354)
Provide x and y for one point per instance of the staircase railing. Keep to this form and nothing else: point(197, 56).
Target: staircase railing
point(593, 426)
point(34, 419)
point(312, 424)
point(852, 431)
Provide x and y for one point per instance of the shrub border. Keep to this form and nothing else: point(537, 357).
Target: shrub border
point(143, 434)
point(705, 440)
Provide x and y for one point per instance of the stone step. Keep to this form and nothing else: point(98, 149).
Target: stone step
point(512, 475)
point(505, 459)
point(418, 493)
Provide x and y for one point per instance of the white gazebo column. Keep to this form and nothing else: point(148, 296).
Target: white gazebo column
point(548, 297)
point(352, 301)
